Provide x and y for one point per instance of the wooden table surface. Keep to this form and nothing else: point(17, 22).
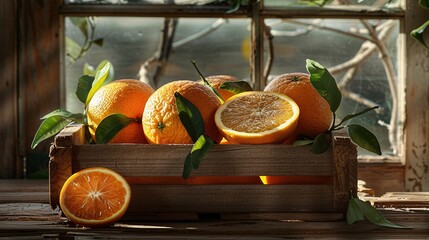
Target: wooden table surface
point(25, 213)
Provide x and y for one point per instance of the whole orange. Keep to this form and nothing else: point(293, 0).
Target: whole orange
point(125, 96)
point(161, 122)
point(315, 114)
point(217, 80)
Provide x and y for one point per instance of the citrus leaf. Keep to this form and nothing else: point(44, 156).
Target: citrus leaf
point(73, 49)
point(236, 87)
point(100, 77)
point(110, 126)
point(321, 143)
point(77, 21)
point(200, 149)
point(350, 116)
point(187, 168)
point(324, 83)
point(88, 70)
point(83, 27)
point(190, 117)
point(364, 138)
point(302, 142)
point(373, 215)
point(111, 74)
point(354, 213)
point(207, 83)
point(424, 3)
point(419, 34)
point(71, 117)
point(83, 87)
point(48, 128)
point(99, 42)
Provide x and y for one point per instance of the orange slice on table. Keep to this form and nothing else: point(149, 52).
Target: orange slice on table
point(257, 117)
point(95, 197)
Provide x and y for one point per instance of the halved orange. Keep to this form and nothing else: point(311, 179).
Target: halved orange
point(257, 117)
point(95, 197)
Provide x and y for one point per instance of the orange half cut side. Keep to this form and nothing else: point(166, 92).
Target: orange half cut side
point(95, 197)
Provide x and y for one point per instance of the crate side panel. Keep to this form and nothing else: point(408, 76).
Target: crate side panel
point(223, 160)
point(230, 199)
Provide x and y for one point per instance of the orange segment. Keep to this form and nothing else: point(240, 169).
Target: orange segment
point(257, 117)
point(95, 197)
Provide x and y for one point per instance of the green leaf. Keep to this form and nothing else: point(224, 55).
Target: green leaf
point(200, 149)
point(111, 74)
point(303, 142)
point(324, 83)
point(424, 3)
point(83, 27)
point(48, 128)
point(236, 87)
point(73, 49)
point(187, 168)
point(373, 215)
point(99, 42)
point(88, 70)
point(321, 143)
point(419, 34)
point(99, 79)
point(77, 21)
point(354, 213)
point(350, 116)
point(110, 126)
point(71, 117)
point(207, 83)
point(190, 117)
point(364, 138)
point(84, 85)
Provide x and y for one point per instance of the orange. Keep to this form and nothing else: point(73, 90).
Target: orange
point(217, 80)
point(161, 122)
point(95, 197)
point(257, 117)
point(315, 114)
point(126, 96)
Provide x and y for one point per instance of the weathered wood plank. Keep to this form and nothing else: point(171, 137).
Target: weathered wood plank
point(417, 103)
point(231, 198)
point(39, 69)
point(9, 162)
point(222, 160)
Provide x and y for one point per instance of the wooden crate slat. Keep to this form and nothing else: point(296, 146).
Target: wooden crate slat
point(230, 198)
point(69, 154)
point(222, 160)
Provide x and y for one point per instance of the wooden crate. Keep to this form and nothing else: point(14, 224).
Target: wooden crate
point(69, 154)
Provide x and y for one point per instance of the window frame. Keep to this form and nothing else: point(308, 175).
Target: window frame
point(390, 176)
point(256, 12)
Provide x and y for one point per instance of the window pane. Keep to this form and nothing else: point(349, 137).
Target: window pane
point(215, 44)
point(346, 48)
point(330, 3)
point(167, 2)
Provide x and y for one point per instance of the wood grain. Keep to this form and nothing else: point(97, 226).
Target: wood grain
point(9, 161)
point(145, 160)
point(231, 198)
point(39, 69)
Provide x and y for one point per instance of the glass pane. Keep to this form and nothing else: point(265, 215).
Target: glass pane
point(331, 3)
point(217, 45)
point(166, 2)
point(347, 49)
